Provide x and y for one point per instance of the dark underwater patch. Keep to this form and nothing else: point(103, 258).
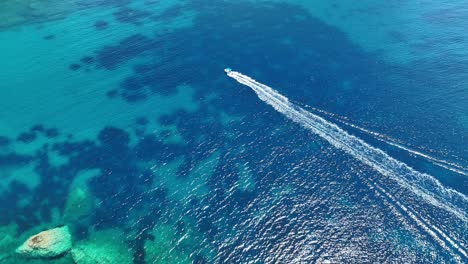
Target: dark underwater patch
point(112, 93)
point(132, 84)
point(74, 66)
point(113, 136)
point(37, 128)
point(87, 60)
point(111, 57)
point(130, 15)
point(133, 97)
point(14, 159)
point(101, 25)
point(142, 121)
point(4, 141)
point(51, 132)
point(27, 137)
point(49, 37)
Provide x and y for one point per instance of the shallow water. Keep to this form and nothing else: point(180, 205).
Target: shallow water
point(118, 120)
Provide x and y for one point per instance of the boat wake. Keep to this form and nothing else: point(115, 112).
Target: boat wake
point(454, 167)
point(422, 185)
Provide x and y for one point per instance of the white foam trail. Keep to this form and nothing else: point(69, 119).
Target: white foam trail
point(424, 224)
point(390, 141)
point(420, 184)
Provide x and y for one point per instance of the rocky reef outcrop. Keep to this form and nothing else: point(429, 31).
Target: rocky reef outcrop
point(47, 244)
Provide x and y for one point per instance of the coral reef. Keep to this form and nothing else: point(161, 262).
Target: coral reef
point(47, 244)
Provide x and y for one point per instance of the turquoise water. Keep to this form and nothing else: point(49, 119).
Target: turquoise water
point(118, 120)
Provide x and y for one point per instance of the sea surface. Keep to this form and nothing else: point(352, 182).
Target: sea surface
point(340, 136)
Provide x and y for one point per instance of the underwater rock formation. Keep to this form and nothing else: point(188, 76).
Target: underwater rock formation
point(47, 244)
point(103, 247)
point(80, 203)
point(7, 241)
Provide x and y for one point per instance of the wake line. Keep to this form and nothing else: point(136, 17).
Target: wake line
point(374, 157)
point(420, 184)
point(454, 167)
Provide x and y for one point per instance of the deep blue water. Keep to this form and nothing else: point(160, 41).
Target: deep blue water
point(192, 167)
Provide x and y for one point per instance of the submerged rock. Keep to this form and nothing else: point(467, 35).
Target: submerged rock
point(80, 201)
point(7, 241)
point(80, 204)
point(103, 247)
point(47, 244)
